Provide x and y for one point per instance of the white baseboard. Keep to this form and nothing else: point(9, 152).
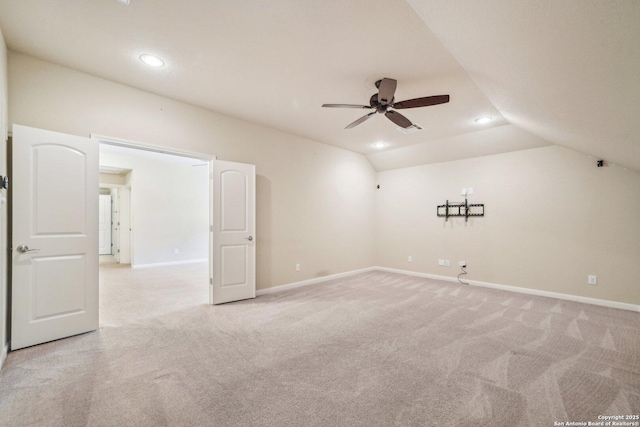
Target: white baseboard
point(164, 264)
point(528, 291)
point(312, 281)
point(416, 274)
point(3, 356)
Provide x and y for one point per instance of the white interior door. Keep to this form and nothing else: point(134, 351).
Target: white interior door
point(104, 224)
point(55, 236)
point(233, 247)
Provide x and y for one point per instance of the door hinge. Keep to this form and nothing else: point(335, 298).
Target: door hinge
point(211, 228)
point(211, 280)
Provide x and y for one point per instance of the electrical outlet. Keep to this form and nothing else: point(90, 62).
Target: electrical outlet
point(176, 251)
point(447, 263)
point(592, 280)
point(441, 262)
point(409, 258)
point(462, 263)
point(297, 267)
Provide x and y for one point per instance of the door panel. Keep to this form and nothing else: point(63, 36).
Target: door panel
point(233, 185)
point(233, 265)
point(55, 236)
point(234, 252)
point(51, 296)
point(46, 180)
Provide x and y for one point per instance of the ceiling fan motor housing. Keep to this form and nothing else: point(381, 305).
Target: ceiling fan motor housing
point(373, 101)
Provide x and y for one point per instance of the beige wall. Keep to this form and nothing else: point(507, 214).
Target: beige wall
point(552, 218)
point(314, 201)
point(112, 179)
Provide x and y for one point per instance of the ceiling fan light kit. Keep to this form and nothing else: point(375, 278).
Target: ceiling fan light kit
point(383, 102)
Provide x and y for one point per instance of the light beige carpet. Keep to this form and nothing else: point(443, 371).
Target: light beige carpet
point(377, 349)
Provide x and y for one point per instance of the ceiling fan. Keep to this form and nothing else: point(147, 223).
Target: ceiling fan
point(383, 101)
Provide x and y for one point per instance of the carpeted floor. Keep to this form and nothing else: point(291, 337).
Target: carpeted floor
point(377, 349)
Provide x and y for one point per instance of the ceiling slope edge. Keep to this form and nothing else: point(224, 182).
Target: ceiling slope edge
point(502, 139)
point(567, 72)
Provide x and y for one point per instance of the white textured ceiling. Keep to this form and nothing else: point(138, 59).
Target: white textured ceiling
point(500, 139)
point(277, 62)
point(567, 71)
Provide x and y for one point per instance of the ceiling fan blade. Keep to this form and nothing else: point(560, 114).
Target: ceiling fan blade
point(360, 120)
point(386, 91)
point(422, 102)
point(398, 119)
point(346, 106)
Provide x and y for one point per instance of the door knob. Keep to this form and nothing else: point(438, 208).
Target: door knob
point(250, 238)
point(24, 249)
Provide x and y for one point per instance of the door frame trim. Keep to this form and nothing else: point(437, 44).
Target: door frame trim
point(209, 158)
point(110, 140)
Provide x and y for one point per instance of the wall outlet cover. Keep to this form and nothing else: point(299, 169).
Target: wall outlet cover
point(592, 279)
point(441, 262)
point(462, 263)
point(447, 263)
point(409, 258)
point(297, 267)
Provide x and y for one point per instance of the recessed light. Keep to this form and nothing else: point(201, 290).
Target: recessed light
point(379, 145)
point(151, 60)
point(484, 120)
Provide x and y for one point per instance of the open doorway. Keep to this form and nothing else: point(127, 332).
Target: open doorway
point(115, 215)
point(159, 206)
point(154, 225)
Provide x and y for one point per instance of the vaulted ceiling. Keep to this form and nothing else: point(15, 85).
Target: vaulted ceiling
point(547, 72)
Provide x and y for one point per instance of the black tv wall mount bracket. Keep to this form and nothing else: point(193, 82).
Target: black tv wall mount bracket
point(465, 209)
